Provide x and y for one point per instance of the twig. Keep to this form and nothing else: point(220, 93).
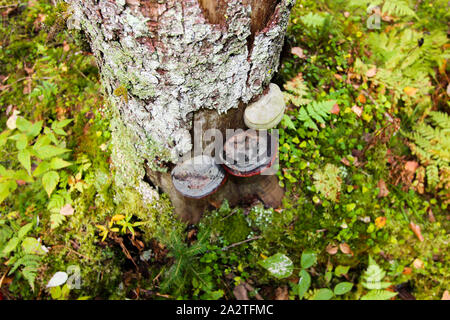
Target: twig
point(241, 242)
point(3, 277)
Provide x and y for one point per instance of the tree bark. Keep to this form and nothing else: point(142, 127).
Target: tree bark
point(167, 64)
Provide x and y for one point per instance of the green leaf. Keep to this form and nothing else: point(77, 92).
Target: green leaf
point(43, 167)
point(23, 124)
point(6, 188)
point(341, 270)
point(287, 122)
point(323, 294)
point(25, 160)
point(279, 265)
point(343, 288)
point(379, 295)
point(303, 283)
point(21, 142)
point(308, 259)
point(35, 129)
point(4, 137)
point(47, 151)
point(32, 246)
point(49, 181)
point(24, 230)
point(58, 163)
point(11, 245)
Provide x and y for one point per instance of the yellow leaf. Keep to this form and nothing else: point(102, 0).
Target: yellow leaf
point(410, 91)
point(380, 222)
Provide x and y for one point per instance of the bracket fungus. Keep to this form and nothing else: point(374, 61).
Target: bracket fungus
point(266, 112)
point(198, 177)
point(249, 153)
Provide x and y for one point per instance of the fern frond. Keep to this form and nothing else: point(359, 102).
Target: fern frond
point(398, 8)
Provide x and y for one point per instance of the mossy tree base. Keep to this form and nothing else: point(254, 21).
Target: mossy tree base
point(167, 64)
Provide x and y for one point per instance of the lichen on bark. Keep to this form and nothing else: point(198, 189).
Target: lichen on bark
point(174, 63)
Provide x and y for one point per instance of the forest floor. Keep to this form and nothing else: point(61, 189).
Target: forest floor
point(364, 158)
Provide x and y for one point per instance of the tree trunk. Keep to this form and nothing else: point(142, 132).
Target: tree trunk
point(166, 65)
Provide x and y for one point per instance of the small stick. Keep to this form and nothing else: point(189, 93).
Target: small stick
point(241, 242)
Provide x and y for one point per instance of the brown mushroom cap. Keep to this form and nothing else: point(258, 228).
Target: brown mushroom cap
point(198, 177)
point(249, 153)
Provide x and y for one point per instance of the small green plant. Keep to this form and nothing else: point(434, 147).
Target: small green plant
point(327, 181)
point(33, 147)
point(372, 279)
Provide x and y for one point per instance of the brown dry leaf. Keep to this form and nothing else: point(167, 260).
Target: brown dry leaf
point(345, 161)
point(67, 210)
point(282, 293)
point(332, 249)
point(411, 166)
point(410, 91)
point(416, 229)
point(21, 182)
point(446, 295)
point(418, 264)
point(357, 110)
point(335, 109)
point(383, 189)
point(380, 222)
point(338, 76)
point(345, 248)
point(298, 52)
point(240, 292)
point(66, 46)
point(346, 14)
point(371, 72)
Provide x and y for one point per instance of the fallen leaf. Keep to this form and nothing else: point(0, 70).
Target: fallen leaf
point(67, 210)
point(418, 264)
point(345, 248)
point(357, 110)
point(21, 182)
point(371, 72)
point(380, 222)
point(332, 249)
point(240, 292)
point(411, 166)
point(448, 89)
point(338, 76)
point(446, 295)
point(410, 91)
point(416, 229)
point(66, 46)
point(346, 14)
point(345, 161)
point(11, 123)
point(298, 52)
point(362, 98)
point(58, 279)
point(383, 189)
point(335, 109)
point(282, 293)
point(407, 270)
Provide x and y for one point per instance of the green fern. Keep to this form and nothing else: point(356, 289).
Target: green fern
point(30, 268)
point(398, 8)
point(296, 91)
point(318, 111)
point(430, 142)
point(372, 279)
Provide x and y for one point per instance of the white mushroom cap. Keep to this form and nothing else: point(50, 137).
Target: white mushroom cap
point(267, 112)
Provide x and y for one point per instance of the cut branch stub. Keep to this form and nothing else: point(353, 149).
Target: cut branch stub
point(266, 112)
point(249, 153)
point(198, 177)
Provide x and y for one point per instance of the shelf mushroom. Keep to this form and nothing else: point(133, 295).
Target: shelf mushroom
point(249, 153)
point(198, 177)
point(266, 112)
